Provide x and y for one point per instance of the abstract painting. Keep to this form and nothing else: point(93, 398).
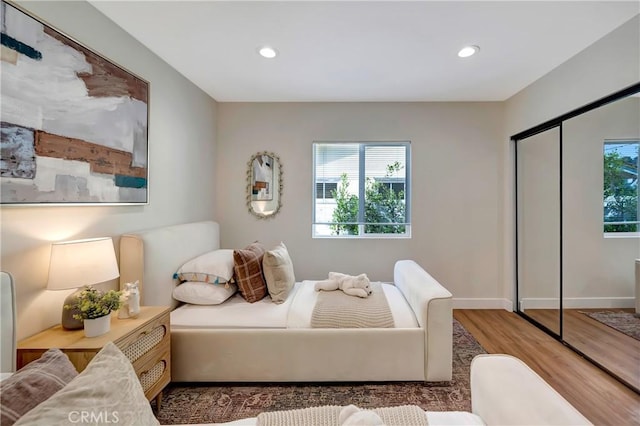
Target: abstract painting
point(73, 124)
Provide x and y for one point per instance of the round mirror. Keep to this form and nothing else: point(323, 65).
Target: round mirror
point(264, 184)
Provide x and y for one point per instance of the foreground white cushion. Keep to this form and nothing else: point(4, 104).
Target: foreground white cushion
point(504, 390)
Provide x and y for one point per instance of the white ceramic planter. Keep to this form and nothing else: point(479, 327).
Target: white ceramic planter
point(97, 326)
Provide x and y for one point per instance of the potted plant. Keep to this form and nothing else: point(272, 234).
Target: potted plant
point(93, 308)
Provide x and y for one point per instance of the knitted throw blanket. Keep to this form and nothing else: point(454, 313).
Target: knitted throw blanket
point(328, 416)
point(335, 309)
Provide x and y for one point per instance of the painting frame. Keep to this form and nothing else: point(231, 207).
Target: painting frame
point(74, 132)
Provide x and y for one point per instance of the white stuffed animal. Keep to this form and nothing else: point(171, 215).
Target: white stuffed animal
point(358, 285)
point(130, 299)
point(353, 416)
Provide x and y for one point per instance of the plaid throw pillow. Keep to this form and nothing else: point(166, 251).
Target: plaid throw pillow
point(247, 265)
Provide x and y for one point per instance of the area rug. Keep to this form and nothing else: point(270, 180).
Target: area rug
point(625, 322)
point(209, 403)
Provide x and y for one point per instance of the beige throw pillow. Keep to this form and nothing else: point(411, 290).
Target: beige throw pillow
point(278, 272)
point(106, 392)
point(247, 265)
point(34, 383)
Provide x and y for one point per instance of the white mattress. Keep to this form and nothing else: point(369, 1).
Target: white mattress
point(434, 418)
point(234, 313)
point(295, 312)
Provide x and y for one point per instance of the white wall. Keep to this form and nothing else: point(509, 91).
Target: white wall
point(608, 65)
point(456, 194)
point(182, 149)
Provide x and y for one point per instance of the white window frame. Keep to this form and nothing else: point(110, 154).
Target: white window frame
point(361, 225)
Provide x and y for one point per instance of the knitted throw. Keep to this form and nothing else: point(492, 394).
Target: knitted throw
point(335, 309)
point(328, 416)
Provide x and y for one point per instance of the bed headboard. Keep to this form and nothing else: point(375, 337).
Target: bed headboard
point(8, 324)
point(154, 255)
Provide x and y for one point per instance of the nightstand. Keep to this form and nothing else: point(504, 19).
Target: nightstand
point(145, 340)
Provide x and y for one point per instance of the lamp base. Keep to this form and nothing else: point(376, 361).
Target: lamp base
point(68, 321)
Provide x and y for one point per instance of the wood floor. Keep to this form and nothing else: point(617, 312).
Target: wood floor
point(597, 395)
point(612, 349)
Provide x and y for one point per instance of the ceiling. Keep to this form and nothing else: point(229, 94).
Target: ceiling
point(366, 50)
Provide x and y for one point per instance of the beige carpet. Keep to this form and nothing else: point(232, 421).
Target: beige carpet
point(209, 403)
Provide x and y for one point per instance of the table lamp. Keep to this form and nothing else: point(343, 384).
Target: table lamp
point(77, 264)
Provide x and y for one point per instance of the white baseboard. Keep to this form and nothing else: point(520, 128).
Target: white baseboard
point(482, 303)
point(578, 303)
point(539, 303)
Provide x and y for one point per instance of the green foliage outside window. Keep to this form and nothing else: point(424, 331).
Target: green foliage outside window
point(383, 207)
point(346, 210)
point(620, 193)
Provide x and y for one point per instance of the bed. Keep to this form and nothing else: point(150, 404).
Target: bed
point(233, 352)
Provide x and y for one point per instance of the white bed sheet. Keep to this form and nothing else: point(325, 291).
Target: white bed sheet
point(295, 312)
point(434, 418)
point(234, 313)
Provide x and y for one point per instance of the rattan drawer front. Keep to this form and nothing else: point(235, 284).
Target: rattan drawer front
point(151, 377)
point(142, 332)
point(145, 343)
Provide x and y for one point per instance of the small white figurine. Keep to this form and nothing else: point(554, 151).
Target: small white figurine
point(130, 301)
point(134, 299)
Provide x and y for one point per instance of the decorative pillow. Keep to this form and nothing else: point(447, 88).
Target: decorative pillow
point(34, 383)
point(247, 264)
point(278, 272)
point(106, 392)
point(213, 267)
point(198, 293)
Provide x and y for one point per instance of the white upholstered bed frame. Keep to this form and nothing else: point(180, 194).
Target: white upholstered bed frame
point(289, 355)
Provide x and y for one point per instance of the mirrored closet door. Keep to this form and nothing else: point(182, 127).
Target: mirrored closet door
point(578, 230)
point(538, 185)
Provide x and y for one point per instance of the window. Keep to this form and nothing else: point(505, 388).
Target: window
point(620, 194)
point(361, 189)
point(387, 185)
point(326, 189)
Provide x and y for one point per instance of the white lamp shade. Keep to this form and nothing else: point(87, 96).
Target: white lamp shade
point(82, 262)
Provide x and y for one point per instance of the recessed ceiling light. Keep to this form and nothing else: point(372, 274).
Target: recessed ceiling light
point(467, 51)
point(267, 52)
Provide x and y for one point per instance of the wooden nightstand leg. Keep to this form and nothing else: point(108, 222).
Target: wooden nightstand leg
point(158, 401)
